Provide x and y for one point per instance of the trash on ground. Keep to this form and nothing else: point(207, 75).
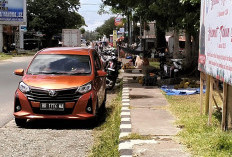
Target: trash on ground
point(169, 90)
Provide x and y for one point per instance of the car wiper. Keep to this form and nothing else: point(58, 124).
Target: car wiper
point(47, 73)
point(79, 73)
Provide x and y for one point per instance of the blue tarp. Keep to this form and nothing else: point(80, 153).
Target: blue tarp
point(169, 90)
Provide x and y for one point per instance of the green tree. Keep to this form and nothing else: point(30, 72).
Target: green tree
point(82, 30)
point(107, 28)
point(91, 35)
point(191, 23)
point(175, 14)
point(50, 17)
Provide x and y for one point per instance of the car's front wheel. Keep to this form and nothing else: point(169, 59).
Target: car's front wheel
point(20, 122)
point(103, 106)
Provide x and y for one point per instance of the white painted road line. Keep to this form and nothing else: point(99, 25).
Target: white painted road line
point(124, 134)
point(125, 145)
point(125, 108)
point(129, 144)
point(125, 119)
point(125, 149)
point(125, 114)
point(125, 100)
point(125, 104)
point(125, 94)
point(126, 88)
point(125, 126)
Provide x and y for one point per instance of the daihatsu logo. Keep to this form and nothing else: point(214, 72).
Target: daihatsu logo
point(52, 93)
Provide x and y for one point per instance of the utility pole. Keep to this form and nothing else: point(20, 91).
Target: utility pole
point(128, 27)
point(1, 38)
point(140, 33)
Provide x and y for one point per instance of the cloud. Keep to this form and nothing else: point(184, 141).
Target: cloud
point(90, 14)
point(94, 25)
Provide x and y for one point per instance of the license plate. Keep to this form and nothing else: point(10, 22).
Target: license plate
point(52, 106)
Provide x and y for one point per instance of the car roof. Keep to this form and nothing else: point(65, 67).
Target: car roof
point(67, 50)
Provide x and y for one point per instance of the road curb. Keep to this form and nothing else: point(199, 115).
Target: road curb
point(125, 126)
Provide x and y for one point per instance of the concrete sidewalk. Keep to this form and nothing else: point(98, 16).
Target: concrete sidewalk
point(144, 113)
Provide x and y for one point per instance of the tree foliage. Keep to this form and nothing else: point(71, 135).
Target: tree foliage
point(50, 17)
point(169, 14)
point(91, 35)
point(82, 30)
point(175, 13)
point(107, 28)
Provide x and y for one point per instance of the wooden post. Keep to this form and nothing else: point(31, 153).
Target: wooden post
point(217, 88)
point(201, 92)
point(224, 108)
point(210, 101)
point(229, 108)
point(207, 95)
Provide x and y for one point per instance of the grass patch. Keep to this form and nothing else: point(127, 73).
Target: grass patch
point(135, 136)
point(107, 138)
point(4, 56)
point(201, 139)
point(155, 64)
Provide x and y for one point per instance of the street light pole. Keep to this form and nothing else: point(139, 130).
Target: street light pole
point(140, 32)
point(128, 28)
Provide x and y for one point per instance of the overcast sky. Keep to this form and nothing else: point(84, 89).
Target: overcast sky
point(88, 10)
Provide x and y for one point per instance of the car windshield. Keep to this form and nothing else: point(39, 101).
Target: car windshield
point(58, 64)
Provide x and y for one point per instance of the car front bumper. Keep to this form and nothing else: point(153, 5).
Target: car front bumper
point(78, 108)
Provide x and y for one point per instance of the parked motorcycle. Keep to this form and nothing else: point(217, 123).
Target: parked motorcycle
point(112, 66)
point(177, 67)
point(173, 71)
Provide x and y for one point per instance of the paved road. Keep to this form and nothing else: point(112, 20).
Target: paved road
point(8, 85)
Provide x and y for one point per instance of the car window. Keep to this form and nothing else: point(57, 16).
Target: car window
point(60, 64)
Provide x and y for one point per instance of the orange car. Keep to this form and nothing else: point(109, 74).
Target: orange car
point(61, 83)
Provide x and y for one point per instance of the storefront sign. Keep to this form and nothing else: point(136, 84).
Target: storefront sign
point(118, 21)
point(23, 28)
point(215, 53)
point(13, 12)
point(115, 36)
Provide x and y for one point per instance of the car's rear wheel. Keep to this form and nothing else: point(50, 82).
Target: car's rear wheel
point(95, 120)
point(20, 122)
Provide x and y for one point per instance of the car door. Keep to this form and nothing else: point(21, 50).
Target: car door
point(99, 82)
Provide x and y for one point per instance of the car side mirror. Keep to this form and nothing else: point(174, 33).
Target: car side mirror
point(19, 72)
point(101, 73)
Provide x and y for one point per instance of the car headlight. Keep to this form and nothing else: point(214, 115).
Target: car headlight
point(23, 87)
point(85, 88)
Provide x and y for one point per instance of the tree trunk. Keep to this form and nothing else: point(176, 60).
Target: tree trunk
point(128, 28)
point(48, 41)
point(195, 48)
point(161, 41)
point(176, 44)
point(188, 51)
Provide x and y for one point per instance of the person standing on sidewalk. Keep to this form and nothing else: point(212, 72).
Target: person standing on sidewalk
point(148, 71)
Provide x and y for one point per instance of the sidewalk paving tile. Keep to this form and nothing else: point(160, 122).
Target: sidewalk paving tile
point(145, 113)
